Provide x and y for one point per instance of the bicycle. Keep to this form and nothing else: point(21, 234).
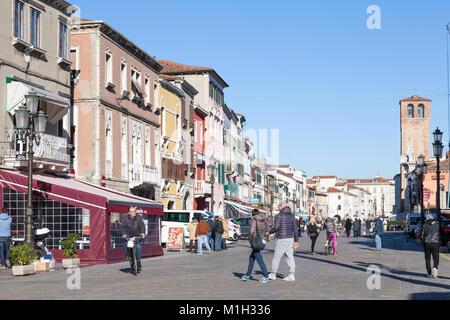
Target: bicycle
point(329, 245)
point(132, 253)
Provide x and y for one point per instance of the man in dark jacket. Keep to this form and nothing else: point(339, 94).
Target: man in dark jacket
point(211, 234)
point(431, 240)
point(356, 227)
point(285, 228)
point(218, 231)
point(133, 225)
point(348, 226)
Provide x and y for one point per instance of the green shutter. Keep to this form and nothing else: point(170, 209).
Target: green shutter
point(223, 173)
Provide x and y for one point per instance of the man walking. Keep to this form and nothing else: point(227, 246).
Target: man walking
point(201, 232)
point(348, 226)
point(378, 231)
point(5, 238)
point(218, 231)
point(211, 234)
point(286, 231)
point(431, 240)
point(356, 227)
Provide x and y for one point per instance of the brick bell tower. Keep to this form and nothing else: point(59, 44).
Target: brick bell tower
point(414, 133)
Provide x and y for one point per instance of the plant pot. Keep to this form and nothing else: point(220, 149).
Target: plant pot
point(70, 263)
point(23, 270)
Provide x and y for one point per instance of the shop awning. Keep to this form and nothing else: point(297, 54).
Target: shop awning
point(79, 193)
point(56, 106)
point(236, 210)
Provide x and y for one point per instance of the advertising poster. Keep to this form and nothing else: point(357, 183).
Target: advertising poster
point(175, 238)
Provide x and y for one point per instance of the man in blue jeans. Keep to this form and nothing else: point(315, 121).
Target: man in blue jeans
point(378, 231)
point(211, 234)
point(5, 238)
point(133, 226)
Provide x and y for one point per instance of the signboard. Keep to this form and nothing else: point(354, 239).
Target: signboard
point(175, 238)
point(253, 201)
point(21, 144)
point(426, 194)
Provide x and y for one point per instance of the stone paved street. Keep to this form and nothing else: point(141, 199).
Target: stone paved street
point(217, 276)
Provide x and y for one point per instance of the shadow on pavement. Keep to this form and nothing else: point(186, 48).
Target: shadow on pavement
point(430, 296)
point(392, 276)
point(400, 272)
point(388, 242)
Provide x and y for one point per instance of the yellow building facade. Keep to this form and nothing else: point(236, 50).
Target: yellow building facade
point(171, 103)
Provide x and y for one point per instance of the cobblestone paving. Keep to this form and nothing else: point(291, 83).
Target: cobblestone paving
point(216, 276)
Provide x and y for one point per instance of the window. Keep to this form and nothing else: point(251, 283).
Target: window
point(147, 90)
point(109, 144)
point(109, 67)
point(123, 75)
point(124, 149)
point(147, 145)
point(62, 53)
point(18, 19)
point(35, 27)
point(420, 111)
point(410, 111)
point(60, 218)
point(195, 131)
point(201, 132)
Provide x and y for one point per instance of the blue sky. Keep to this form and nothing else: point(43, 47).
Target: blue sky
point(311, 69)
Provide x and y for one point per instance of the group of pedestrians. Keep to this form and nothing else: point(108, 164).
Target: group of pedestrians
point(355, 225)
point(213, 234)
point(285, 229)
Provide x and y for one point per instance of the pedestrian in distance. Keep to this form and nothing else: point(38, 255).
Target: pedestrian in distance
point(286, 232)
point(356, 227)
point(226, 233)
point(368, 226)
point(301, 226)
point(378, 231)
point(218, 231)
point(430, 238)
point(211, 234)
point(313, 232)
point(330, 227)
point(348, 226)
point(191, 228)
point(5, 238)
point(257, 226)
point(201, 232)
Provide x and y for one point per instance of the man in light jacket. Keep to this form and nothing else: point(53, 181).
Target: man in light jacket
point(5, 238)
point(286, 230)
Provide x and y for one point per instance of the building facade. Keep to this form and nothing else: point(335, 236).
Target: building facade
point(115, 121)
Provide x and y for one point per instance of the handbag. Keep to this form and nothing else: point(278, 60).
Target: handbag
point(257, 242)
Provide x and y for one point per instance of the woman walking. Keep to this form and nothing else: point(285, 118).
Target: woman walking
point(258, 226)
point(313, 232)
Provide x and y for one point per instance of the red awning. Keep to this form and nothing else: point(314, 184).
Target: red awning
point(79, 193)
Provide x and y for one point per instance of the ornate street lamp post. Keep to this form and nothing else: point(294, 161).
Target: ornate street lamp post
point(211, 169)
point(31, 121)
point(420, 169)
point(437, 150)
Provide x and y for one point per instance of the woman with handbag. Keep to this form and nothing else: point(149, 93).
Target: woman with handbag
point(256, 237)
point(313, 232)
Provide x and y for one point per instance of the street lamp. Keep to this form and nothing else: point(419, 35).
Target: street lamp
point(421, 168)
point(211, 169)
point(33, 123)
point(437, 150)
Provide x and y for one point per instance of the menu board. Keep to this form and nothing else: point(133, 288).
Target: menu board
point(175, 238)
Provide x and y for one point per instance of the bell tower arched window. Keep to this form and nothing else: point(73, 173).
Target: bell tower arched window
point(420, 111)
point(410, 111)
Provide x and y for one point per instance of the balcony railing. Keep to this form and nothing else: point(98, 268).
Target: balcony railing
point(140, 174)
point(49, 150)
point(202, 188)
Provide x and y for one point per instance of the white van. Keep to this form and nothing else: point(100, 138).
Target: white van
point(178, 219)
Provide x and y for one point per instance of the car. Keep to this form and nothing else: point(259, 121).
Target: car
point(412, 219)
point(234, 230)
point(446, 229)
point(244, 223)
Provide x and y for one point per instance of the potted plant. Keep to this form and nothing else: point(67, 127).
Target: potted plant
point(22, 257)
point(70, 250)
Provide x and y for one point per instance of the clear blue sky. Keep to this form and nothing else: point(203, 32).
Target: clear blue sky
point(311, 69)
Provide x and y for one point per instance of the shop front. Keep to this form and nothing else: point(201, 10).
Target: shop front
point(66, 205)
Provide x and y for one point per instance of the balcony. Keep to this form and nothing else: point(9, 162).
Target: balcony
point(50, 152)
point(141, 174)
point(202, 188)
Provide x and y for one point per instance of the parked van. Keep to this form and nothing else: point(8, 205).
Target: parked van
point(178, 219)
point(412, 222)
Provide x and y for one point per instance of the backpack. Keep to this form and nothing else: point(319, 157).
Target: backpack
point(257, 242)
